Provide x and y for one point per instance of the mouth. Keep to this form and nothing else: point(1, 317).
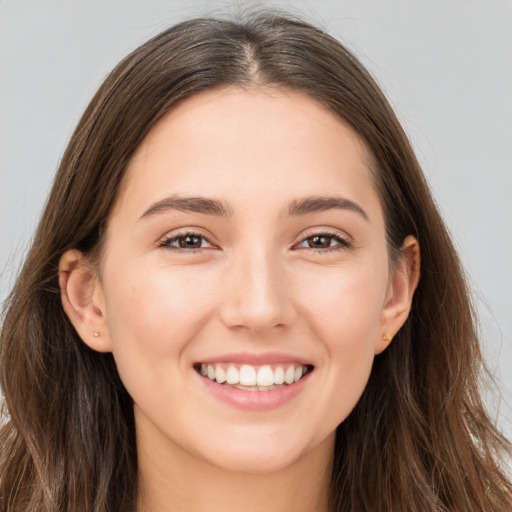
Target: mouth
point(248, 377)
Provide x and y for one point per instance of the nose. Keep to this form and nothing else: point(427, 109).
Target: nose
point(257, 296)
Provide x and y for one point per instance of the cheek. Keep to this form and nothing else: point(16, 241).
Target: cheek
point(153, 315)
point(345, 303)
point(344, 311)
point(156, 309)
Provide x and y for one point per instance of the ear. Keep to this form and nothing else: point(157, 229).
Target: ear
point(403, 283)
point(83, 300)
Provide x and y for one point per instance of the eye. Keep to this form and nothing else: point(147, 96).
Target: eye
point(186, 241)
point(325, 242)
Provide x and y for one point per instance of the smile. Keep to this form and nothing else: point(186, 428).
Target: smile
point(254, 378)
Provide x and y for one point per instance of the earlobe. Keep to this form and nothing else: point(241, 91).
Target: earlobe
point(403, 284)
point(83, 300)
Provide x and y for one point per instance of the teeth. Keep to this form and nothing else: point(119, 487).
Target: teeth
point(232, 375)
point(220, 374)
point(247, 375)
point(265, 376)
point(262, 378)
point(279, 375)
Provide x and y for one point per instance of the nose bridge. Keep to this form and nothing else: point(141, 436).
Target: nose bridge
point(257, 295)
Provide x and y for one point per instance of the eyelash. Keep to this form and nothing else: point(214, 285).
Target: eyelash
point(166, 242)
point(343, 243)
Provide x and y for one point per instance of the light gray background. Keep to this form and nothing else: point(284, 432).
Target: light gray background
point(445, 65)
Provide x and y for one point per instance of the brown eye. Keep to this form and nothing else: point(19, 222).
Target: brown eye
point(324, 242)
point(186, 241)
point(189, 241)
point(320, 241)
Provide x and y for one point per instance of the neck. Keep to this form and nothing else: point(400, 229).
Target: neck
point(180, 482)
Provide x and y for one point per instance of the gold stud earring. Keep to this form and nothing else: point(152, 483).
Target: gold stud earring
point(96, 334)
point(387, 338)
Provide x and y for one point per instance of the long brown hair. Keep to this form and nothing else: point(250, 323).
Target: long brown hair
point(419, 438)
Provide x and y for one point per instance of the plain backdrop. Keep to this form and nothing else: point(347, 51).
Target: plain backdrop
point(446, 67)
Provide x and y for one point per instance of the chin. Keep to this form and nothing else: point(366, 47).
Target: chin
point(264, 453)
point(255, 461)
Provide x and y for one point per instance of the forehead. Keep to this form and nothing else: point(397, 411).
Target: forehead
point(232, 142)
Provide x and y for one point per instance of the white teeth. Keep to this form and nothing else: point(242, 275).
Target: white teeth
point(279, 375)
point(247, 375)
point(265, 376)
point(232, 375)
point(262, 378)
point(288, 376)
point(220, 374)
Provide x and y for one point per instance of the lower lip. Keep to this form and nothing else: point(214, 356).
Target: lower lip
point(255, 400)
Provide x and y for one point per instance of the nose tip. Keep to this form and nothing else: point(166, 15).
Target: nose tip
point(255, 309)
point(256, 299)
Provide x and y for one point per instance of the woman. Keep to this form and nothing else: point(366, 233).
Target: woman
point(223, 307)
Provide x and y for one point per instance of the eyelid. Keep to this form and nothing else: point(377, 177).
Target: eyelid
point(164, 241)
point(345, 241)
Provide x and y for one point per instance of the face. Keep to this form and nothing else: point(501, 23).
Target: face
point(245, 283)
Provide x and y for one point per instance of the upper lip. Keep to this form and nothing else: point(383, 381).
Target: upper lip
point(256, 359)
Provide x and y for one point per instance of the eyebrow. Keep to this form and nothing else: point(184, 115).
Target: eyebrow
point(208, 206)
point(190, 204)
point(312, 204)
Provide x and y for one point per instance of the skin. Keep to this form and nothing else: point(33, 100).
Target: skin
point(257, 284)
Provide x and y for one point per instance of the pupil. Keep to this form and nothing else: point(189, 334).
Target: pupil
point(190, 241)
point(320, 241)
